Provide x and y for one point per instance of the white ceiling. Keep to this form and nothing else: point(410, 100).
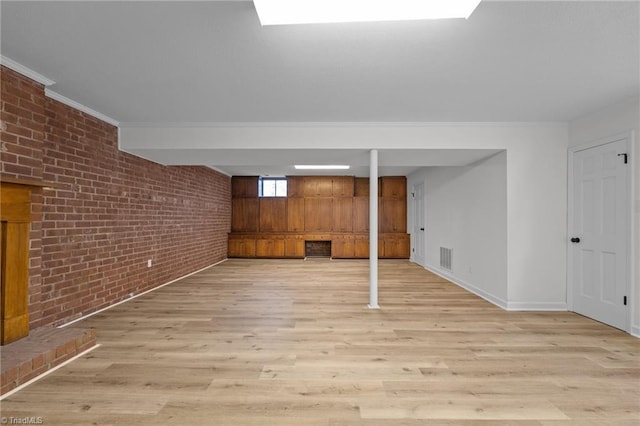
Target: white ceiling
point(280, 162)
point(212, 62)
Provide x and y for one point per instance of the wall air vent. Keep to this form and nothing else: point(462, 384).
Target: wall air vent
point(445, 258)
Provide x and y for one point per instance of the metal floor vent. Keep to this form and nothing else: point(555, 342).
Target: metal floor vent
point(445, 258)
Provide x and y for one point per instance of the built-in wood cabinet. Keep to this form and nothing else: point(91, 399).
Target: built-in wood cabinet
point(361, 247)
point(295, 186)
point(242, 247)
point(360, 214)
point(318, 214)
point(394, 246)
point(270, 246)
point(393, 186)
point(361, 187)
point(295, 214)
point(244, 214)
point(343, 247)
point(273, 214)
point(392, 214)
point(318, 208)
point(294, 246)
point(342, 214)
point(317, 186)
point(244, 187)
point(343, 186)
point(393, 205)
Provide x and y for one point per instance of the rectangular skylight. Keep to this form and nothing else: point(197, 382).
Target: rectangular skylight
point(321, 167)
point(283, 12)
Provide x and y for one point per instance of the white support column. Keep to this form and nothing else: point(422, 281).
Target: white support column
point(373, 230)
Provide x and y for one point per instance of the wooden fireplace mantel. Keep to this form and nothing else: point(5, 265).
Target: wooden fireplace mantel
point(15, 219)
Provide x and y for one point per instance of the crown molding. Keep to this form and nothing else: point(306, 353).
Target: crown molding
point(218, 170)
point(27, 72)
point(73, 104)
point(344, 124)
point(39, 78)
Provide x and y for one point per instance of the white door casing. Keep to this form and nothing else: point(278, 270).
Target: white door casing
point(418, 224)
point(599, 231)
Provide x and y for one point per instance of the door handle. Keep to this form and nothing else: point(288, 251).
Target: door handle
point(575, 240)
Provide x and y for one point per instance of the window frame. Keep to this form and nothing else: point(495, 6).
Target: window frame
point(261, 181)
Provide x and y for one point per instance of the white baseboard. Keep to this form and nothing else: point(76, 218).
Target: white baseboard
point(46, 373)
point(138, 295)
point(537, 306)
point(508, 306)
point(635, 331)
point(469, 287)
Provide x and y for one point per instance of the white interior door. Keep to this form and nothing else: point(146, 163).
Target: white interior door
point(418, 224)
point(599, 232)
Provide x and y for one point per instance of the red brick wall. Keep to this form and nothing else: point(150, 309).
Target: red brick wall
point(110, 212)
point(23, 122)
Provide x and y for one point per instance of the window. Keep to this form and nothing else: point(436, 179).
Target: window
point(272, 187)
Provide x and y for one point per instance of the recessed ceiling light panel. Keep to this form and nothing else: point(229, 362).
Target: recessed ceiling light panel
point(283, 12)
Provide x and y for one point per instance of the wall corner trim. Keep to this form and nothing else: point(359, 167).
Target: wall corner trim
point(27, 72)
point(73, 104)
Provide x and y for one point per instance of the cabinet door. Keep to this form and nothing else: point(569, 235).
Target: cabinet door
point(242, 247)
point(393, 186)
point(361, 187)
point(393, 215)
point(294, 247)
point(295, 214)
point(361, 214)
point(361, 249)
point(343, 248)
point(270, 247)
point(395, 246)
point(404, 247)
point(273, 214)
point(244, 186)
point(342, 214)
point(318, 186)
point(294, 186)
point(343, 186)
point(244, 214)
point(318, 214)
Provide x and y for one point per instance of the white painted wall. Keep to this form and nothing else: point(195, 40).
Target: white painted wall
point(612, 121)
point(466, 210)
point(536, 179)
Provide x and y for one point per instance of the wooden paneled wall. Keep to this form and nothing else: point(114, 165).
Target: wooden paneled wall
point(320, 208)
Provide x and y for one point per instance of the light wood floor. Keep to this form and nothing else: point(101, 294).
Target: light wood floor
point(291, 342)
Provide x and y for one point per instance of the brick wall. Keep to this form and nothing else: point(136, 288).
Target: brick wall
point(109, 213)
point(23, 122)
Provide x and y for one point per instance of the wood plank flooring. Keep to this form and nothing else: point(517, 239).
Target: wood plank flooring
point(291, 342)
